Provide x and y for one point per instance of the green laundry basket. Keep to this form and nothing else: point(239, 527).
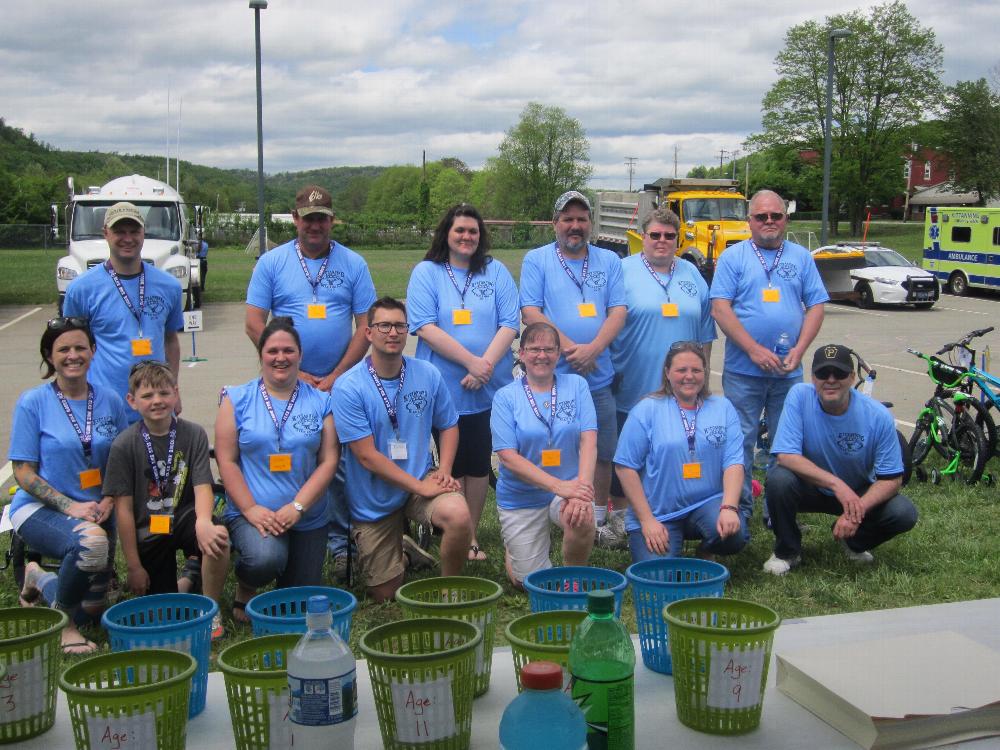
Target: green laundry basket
point(136, 698)
point(256, 676)
point(720, 650)
point(543, 636)
point(462, 598)
point(29, 651)
point(422, 674)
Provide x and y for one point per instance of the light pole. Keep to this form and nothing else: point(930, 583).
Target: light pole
point(832, 38)
point(258, 6)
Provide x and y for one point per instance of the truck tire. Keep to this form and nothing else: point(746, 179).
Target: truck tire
point(196, 298)
point(866, 300)
point(958, 284)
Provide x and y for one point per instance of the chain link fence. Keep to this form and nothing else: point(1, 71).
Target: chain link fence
point(15, 236)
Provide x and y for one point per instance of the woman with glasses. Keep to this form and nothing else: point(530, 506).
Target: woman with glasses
point(60, 440)
point(680, 462)
point(545, 433)
point(277, 451)
point(463, 306)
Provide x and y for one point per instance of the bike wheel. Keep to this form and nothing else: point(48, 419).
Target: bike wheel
point(967, 440)
point(980, 413)
point(945, 443)
point(922, 440)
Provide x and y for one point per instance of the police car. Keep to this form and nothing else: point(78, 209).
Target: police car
point(888, 278)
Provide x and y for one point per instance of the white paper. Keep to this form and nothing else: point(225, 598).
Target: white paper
point(279, 727)
point(5, 524)
point(424, 710)
point(192, 321)
point(734, 677)
point(481, 623)
point(122, 732)
point(22, 689)
point(173, 644)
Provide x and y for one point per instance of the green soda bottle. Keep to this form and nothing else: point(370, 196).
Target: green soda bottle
point(602, 667)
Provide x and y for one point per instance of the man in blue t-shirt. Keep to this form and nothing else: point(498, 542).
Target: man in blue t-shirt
point(766, 293)
point(578, 288)
point(324, 287)
point(385, 408)
point(837, 453)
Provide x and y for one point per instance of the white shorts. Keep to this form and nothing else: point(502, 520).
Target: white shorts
point(526, 537)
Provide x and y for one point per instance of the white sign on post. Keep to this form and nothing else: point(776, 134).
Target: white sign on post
point(192, 321)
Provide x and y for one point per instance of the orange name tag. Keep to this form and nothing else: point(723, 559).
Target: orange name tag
point(90, 478)
point(159, 524)
point(692, 470)
point(278, 462)
point(552, 457)
point(316, 311)
point(142, 347)
point(771, 295)
point(461, 317)
point(587, 310)
point(669, 309)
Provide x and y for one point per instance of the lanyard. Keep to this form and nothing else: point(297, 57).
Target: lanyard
point(390, 406)
point(569, 271)
point(689, 427)
point(454, 282)
point(278, 426)
point(86, 434)
point(305, 268)
point(656, 276)
point(162, 482)
point(550, 424)
point(121, 290)
point(763, 262)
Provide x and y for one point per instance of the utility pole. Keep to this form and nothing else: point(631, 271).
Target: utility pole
point(630, 163)
point(722, 156)
point(675, 161)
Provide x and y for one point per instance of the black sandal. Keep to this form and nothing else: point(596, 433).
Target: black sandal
point(240, 607)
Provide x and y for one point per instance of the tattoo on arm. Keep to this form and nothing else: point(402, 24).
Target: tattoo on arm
point(39, 489)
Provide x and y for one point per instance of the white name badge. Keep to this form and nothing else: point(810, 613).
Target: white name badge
point(397, 450)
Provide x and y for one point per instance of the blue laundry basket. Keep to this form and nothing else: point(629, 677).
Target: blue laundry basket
point(567, 587)
point(284, 610)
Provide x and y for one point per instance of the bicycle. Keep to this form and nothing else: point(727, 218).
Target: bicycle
point(946, 434)
point(988, 384)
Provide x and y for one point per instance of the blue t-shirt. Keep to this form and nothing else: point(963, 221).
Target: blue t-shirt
point(95, 296)
point(515, 427)
point(545, 285)
point(639, 350)
point(492, 299)
point(42, 434)
point(741, 278)
point(653, 442)
point(359, 411)
point(858, 446)
point(258, 439)
point(279, 285)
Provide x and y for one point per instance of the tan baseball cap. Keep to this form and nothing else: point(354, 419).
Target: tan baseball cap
point(121, 211)
point(312, 199)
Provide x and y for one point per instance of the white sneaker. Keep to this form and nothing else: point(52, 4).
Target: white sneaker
point(777, 566)
point(860, 558)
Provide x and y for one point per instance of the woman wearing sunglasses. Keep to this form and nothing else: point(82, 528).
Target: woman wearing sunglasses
point(680, 462)
point(60, 440)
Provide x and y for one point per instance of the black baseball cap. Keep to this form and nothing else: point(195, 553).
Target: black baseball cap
point(833, 355)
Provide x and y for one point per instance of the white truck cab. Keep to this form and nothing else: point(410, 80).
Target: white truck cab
point(172, 239)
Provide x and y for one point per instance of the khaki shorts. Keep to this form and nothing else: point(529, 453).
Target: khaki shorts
point(380, 543)
point(526, 536)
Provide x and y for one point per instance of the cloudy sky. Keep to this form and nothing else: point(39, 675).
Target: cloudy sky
point(376, 82)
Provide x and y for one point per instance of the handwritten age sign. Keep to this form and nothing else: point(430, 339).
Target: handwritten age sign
point(22, 689)
point(424, 710)
point(734, 677)
point(122, 732)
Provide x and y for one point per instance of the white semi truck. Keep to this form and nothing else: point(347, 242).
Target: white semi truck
point(173, 233)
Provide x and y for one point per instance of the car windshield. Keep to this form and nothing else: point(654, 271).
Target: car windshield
point(160, 219)
point(878, 258)
point(715, 209)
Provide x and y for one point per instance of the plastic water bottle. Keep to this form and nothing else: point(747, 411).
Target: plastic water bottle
point(323, 693)
point(543, 717)
point(602, 667)
point(783, 345)
point(868, 386)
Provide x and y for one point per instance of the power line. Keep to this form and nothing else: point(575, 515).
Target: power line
point(630, 163)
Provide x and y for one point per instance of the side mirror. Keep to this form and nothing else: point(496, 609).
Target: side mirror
point(54, 221)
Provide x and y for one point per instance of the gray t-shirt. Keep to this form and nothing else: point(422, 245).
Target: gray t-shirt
point(128, 472)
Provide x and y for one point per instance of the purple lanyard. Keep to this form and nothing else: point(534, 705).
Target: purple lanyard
point(656, 276)
point(121, 290)
point(86, 434)
point(454, 282)
point(760, 257)
point(689, 427)
point(390, 406)
point(278, 426)
point(550, 424)
point(162, 481)
point(305, 268)
point(569, 272)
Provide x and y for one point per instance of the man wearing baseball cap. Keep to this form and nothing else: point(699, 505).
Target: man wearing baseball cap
point(325, 288)
point(135, 309)
point(837, 453)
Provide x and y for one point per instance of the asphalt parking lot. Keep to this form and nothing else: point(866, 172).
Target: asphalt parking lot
point(881, 336)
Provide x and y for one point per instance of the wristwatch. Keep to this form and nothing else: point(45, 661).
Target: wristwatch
point(298, 506)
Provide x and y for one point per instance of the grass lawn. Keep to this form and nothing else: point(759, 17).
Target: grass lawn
point(907, 238)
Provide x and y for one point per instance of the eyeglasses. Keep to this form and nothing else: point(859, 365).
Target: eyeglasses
point(686, 346)
point(387, 327)
point(138, 366)
point(774, 216)
point(534, 351)
point(656, 236)
point(824, 373)
point(62, 323)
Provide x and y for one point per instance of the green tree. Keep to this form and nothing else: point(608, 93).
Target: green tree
point(886, 75)
point(395, 192)
point(447, 188)
point(971, 135)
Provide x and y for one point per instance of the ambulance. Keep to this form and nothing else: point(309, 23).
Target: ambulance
point(962, 247)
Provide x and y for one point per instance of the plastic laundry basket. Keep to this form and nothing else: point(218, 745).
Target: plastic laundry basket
point(29, 652)
point(543, 636)
point(566, 587)
point(284, 610)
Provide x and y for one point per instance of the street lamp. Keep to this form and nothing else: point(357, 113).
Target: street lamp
point(832, 37)
point(258, 6)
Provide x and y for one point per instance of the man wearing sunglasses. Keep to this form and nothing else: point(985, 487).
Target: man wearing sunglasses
point(837, 453)
point(764, 287)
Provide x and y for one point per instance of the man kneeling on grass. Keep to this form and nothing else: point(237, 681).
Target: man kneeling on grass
point(837, 453)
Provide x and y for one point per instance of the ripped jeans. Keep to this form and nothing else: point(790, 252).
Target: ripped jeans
point(86, 550)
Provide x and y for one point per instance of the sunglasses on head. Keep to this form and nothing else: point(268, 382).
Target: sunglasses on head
point(63, 322)
point(686, 345)
point(824, 373)
point(657, 236)
point(145, 364)
point(772, 215)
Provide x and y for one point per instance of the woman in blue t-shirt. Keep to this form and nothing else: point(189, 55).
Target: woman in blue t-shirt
point(463, 305)
point(277, 452)
point(59, 444)
point(680, 462)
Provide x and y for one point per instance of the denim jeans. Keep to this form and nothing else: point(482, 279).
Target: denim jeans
point(338, 514)
point(607, 423)
point(751, 395)
point(294, 558)
point(698, 524)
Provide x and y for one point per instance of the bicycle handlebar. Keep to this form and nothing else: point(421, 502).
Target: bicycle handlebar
point(966, 340)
